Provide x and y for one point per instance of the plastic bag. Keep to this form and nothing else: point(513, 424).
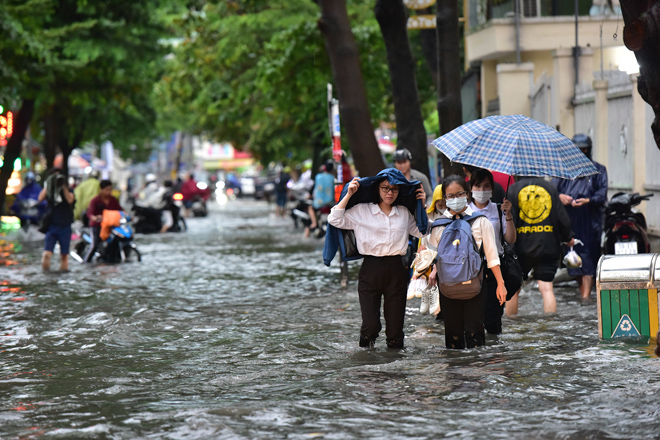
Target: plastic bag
point(572, 260)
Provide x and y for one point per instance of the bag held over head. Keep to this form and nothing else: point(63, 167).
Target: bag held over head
point(460, 262)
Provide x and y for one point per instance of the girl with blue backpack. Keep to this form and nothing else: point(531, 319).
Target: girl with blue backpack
point(463, 239)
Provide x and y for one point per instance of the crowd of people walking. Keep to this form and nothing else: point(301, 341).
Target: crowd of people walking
point(466, 218)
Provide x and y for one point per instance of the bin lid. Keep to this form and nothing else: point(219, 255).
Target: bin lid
point(628, 268)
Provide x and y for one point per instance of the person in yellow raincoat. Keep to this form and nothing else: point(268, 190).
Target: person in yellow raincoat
point(85, 192)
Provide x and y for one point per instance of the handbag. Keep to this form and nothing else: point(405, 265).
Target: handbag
point(45, 221)
point(349, 243)
point(509, 264)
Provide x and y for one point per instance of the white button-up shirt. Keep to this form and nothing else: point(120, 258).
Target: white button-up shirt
point(376, 233)
point(482, 231)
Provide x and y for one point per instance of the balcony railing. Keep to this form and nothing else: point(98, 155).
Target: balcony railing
point(481, 11)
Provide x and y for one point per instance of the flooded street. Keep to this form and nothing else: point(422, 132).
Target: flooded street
point(236, 329)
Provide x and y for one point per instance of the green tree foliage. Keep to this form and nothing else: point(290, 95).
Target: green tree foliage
point(255, 74)
point(90, 64)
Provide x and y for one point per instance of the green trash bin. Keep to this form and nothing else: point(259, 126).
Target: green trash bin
point(627, 287)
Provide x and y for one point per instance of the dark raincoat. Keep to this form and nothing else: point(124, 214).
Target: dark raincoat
point(407, 197)
point(587, 220)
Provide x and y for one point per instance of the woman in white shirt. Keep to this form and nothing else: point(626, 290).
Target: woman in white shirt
point(464, 318)
point(481, 184)
point(381, 235)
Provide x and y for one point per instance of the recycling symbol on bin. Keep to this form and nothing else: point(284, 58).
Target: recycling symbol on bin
point(625, 325)
point(625, 328)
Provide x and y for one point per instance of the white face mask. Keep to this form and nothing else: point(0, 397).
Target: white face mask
point(482, 196)
point(457, 204)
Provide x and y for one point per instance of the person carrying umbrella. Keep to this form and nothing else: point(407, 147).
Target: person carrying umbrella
point(481, 186)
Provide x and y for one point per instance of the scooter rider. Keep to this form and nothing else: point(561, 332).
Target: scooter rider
point(105, 200)
point(29, 192)
point(584, 199)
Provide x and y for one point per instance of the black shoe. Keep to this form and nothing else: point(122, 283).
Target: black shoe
point(438, 317)
point(394, 343)
point(366, 342)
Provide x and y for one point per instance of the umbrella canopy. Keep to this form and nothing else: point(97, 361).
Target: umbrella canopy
point(515, 145)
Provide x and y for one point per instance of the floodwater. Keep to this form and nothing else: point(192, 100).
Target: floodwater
point(236, 330)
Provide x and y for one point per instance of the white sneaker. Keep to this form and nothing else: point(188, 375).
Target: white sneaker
point(426, 299)
point(434, 303)
point(412, 289)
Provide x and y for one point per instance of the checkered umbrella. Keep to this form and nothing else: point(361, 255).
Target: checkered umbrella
point(515, 145)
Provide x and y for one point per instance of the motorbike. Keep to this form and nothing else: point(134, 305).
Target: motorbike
point(625, 229)
point(29, 212)
point(198, 207)
point(149, 220)
point(119, 247)
point(300, 216)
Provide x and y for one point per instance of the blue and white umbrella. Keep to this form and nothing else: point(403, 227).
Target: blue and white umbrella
point(515, 145)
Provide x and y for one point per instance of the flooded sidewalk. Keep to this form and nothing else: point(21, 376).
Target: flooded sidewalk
point(236, 330)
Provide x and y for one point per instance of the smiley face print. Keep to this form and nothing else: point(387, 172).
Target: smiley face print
point(535, 204)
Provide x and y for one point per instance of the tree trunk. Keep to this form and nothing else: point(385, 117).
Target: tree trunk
point(346, 71)
point(449, 90)
point(411, 134)
point(50, 138)
point(641, 35)
point(429, 42)
point(14, 147)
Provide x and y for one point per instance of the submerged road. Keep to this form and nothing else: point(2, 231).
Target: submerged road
point(236, 330)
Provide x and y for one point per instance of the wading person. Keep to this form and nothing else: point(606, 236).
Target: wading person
point(60, 204)
point(105, 200)
point(381, 233)
point(584, 199)
point(323, 194)
point(402, 158)
point(482, 185)
point(542, 224)
point(463, 301)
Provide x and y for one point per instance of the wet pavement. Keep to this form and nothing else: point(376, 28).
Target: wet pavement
point(235, 329)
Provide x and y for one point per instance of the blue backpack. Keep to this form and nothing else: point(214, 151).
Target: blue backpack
point(459, 262)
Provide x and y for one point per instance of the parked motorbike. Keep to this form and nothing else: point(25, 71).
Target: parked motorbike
point(149, 220)
point(625, 229)
point(119, 247)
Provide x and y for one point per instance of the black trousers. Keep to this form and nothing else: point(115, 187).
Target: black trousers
point(384, 277)
point(464, 320)
point(494, 311)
